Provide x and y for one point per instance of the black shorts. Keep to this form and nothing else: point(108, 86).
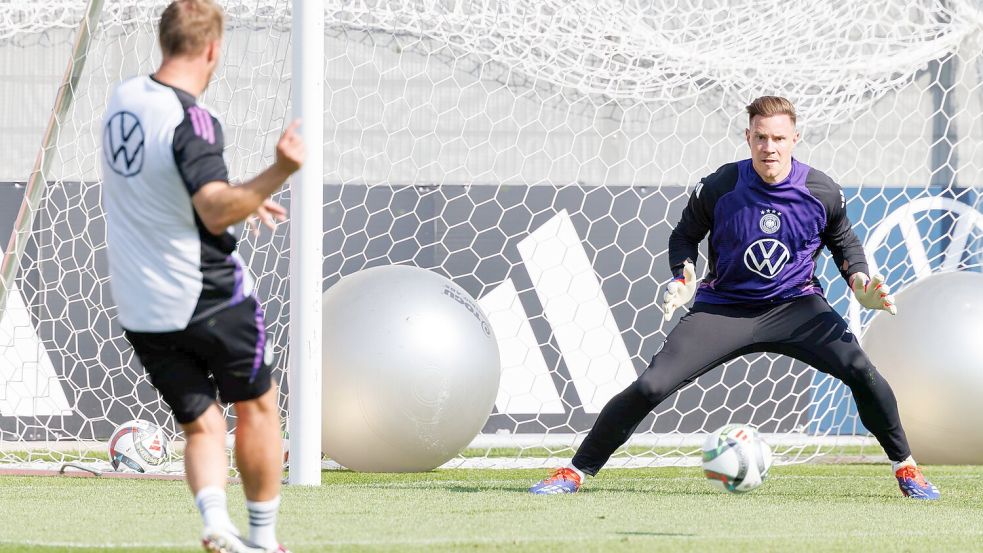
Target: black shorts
point(224, 356)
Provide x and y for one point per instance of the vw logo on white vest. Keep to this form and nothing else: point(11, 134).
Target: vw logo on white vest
point(766, 257)
point(122, 144)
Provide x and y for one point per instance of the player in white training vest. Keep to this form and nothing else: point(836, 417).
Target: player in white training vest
point(183, 296)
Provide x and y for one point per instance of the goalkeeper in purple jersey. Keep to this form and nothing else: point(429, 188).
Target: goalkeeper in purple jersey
point(768, 218)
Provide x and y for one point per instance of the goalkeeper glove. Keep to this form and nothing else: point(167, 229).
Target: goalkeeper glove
point(680, 290)
point(872, 293)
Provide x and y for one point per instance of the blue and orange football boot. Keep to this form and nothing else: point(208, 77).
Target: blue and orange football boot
point(563, 480)
point(914, 485)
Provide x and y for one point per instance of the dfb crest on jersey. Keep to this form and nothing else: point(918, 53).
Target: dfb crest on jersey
point(766, 257)
point(122, 144)
point(770, 221)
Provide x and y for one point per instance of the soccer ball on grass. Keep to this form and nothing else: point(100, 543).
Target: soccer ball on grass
point(140, 446)
point(735, 458)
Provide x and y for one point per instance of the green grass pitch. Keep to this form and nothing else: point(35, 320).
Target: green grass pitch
point(800, 508)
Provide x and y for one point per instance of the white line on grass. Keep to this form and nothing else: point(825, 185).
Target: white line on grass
point(730, 537)
point(432, 484)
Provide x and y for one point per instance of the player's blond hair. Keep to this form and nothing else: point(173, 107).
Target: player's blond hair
point(766, 106)
point(187, 26)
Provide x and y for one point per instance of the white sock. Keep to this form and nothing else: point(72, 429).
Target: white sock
point(262, 522)
point(211, 503)
point(895, 465)
point(580, 473)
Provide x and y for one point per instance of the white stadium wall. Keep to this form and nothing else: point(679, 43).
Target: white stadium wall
point(505, 138)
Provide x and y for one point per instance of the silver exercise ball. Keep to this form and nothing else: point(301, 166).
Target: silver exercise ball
point(411, 370)
point(931, 353)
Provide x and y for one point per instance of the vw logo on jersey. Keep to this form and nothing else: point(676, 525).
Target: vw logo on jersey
point(766, 257)
point(122, 144)
point(770, 222)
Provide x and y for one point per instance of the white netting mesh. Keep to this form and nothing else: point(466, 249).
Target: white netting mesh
point(538, 153)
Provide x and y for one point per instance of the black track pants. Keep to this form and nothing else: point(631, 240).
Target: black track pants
point(807, 329)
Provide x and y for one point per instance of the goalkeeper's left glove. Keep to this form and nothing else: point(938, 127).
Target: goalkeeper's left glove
point(872, 293)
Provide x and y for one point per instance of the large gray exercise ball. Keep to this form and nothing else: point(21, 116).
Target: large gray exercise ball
point(931, 353)
point(410, 373)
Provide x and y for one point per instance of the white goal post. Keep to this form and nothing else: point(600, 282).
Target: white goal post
point(537, 152)
point(305, 246)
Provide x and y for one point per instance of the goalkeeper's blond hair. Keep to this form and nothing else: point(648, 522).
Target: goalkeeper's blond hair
point(187, 26)
point(766, 106)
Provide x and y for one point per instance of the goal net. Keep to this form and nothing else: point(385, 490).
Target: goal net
point(537, 152)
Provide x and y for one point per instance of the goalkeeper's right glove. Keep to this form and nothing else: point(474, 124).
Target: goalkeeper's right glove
point(872, 293)
point(680, 290)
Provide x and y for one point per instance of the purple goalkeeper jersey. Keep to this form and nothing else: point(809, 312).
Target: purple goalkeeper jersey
point(764, 238)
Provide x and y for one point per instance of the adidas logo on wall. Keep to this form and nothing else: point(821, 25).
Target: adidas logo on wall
point(581, 320)
point(29, 386)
